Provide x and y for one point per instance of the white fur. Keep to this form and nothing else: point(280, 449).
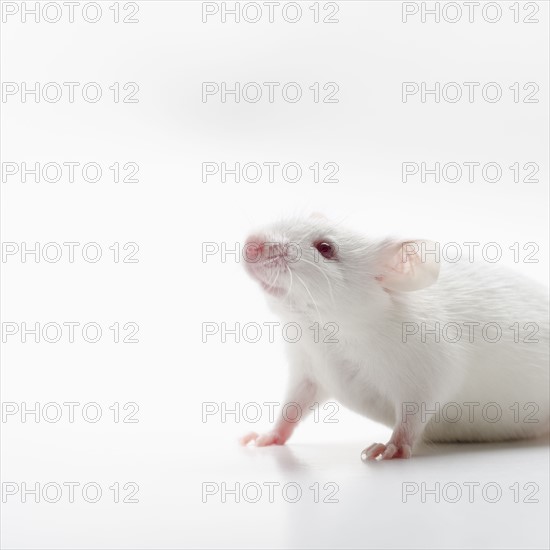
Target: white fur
point(373, 372)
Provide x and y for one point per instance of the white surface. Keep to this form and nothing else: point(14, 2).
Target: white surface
point(170, 213)
point(370, 512)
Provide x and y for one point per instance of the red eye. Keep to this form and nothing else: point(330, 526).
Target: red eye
point(327, 250)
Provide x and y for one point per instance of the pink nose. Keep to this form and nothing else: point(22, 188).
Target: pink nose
point(253, 248)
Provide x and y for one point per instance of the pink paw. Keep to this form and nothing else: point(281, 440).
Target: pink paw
point(270, 438)
point(386, 452)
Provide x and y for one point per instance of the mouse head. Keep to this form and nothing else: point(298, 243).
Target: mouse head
point(312, 263)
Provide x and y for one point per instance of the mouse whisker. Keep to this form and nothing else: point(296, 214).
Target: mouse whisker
point(311, 296)
point(291, 281)
point(272, 272)
point(324, 275)
point(272, 284)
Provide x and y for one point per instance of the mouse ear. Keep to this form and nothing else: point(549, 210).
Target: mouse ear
point(409, 266)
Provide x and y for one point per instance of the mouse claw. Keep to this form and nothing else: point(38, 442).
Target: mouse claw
point(246, 439)
point(394, 450)
point(390, 452)
point(386, 452)
point(372, 452)
point(270, 438)
point(264, 440)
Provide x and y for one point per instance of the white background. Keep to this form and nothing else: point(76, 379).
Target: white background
point(170, 212)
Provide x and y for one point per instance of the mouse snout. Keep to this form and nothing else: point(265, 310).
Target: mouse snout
point(266, 261)
point(253, 248)
point(260, 251)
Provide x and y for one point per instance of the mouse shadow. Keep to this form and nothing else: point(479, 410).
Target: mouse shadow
point(428, 449)
point(285, 457)
point(301, 458)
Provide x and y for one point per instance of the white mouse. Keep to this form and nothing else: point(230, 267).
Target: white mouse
point(376, 292)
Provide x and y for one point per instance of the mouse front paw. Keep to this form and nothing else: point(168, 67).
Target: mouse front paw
point(269, 438)
point(386, 452)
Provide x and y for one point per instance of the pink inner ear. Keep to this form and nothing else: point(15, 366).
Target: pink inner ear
point(405, 270)
point(400, 263)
